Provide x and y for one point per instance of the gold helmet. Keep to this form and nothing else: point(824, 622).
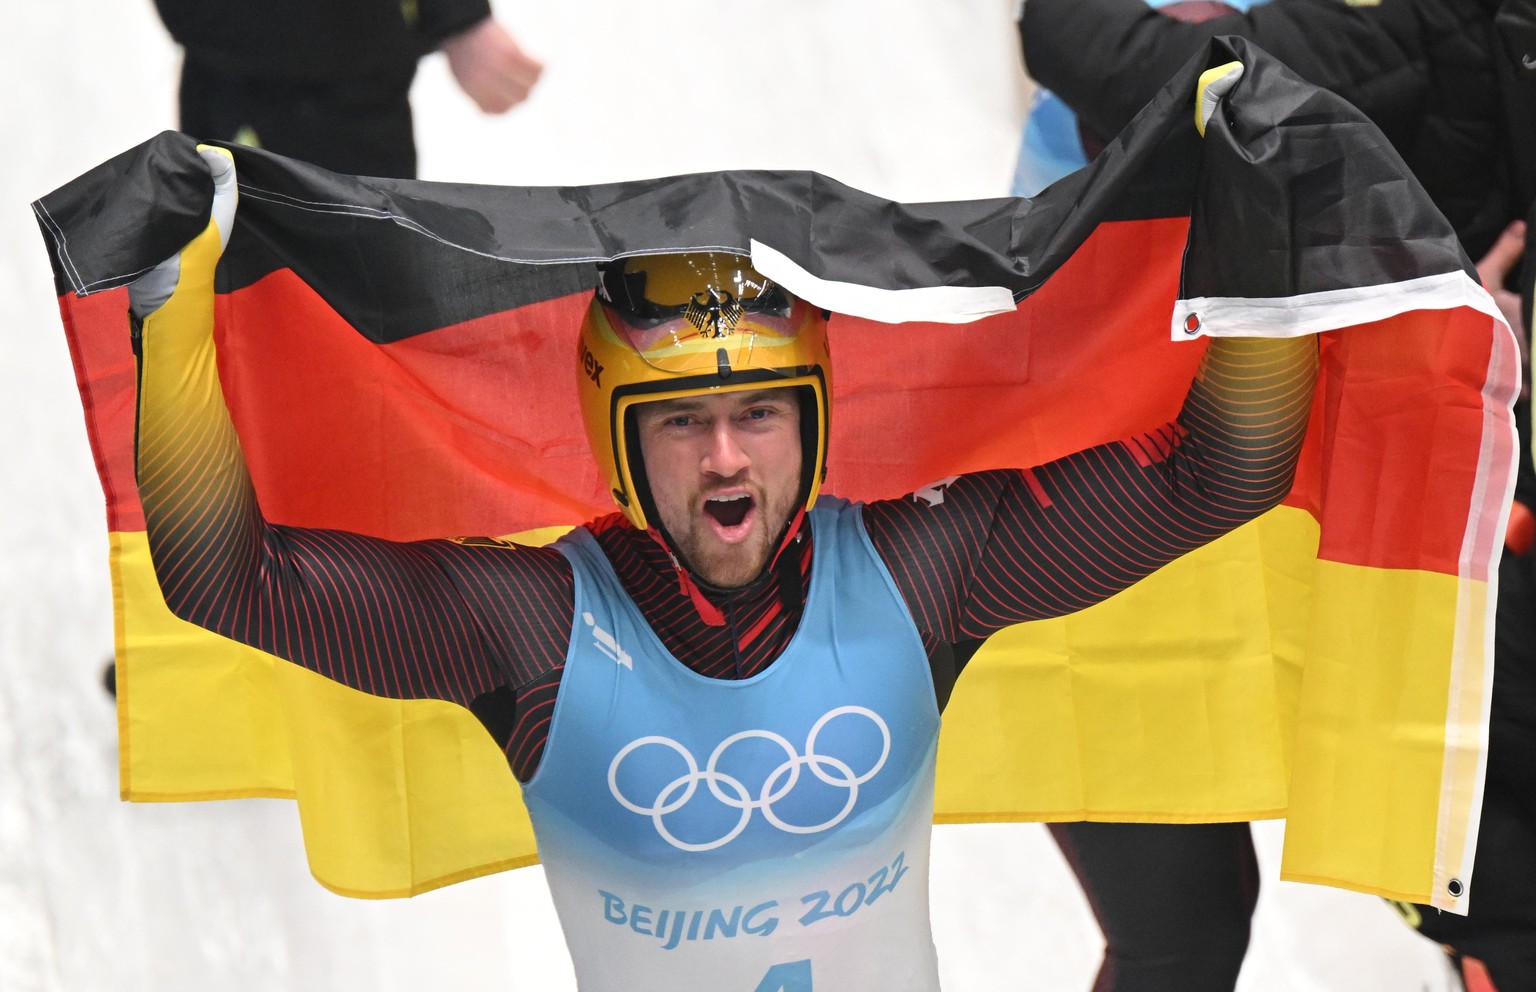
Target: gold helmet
point(666, 326)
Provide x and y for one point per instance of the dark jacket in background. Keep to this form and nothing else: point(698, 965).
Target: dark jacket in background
point(315, 39)
point(326, 81)
point(1422, 70)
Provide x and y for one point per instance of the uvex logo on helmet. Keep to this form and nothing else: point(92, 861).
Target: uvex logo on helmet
point(686, 324)
point(591, 366)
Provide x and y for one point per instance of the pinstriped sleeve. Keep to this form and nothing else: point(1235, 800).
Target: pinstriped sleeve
point(432, 619)
point(1009, 546)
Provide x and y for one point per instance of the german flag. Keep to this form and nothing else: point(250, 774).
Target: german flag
point(397, 358)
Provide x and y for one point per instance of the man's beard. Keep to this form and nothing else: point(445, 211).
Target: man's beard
point(731, 566)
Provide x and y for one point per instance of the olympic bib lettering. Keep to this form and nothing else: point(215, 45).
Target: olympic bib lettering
point(676, 925)
point(672, 927)
point(855, 896)
point(793, 976)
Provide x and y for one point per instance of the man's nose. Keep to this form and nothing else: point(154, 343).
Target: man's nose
point(725, 456)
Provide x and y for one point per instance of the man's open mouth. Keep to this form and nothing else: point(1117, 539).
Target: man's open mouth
point(729, 510)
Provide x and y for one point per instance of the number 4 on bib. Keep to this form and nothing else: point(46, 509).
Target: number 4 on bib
point(793, 976)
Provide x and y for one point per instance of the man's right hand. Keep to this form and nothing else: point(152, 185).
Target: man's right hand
point(150, 291)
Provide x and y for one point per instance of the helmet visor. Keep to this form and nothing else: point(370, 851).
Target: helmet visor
point(701, 313)
point(713, 336)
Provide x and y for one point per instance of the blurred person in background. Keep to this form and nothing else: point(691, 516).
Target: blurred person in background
point(1424, 71)
point(1452, 84)
point(328, 81)
point(1055, 142)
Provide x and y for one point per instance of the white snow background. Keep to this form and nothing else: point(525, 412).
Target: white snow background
point(908, 99)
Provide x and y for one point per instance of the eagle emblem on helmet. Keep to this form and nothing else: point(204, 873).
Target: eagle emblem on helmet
point(714, 314)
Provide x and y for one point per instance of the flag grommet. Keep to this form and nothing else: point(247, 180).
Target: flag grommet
point(1192, 324)
point(1455, 888)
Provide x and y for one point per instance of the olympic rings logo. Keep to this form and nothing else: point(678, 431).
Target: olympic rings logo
point(730, 790)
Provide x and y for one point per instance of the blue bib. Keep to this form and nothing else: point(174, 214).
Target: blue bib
point(762, 835)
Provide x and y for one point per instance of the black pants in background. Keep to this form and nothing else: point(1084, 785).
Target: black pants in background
point(1174, 901)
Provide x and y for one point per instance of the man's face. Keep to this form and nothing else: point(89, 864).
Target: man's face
point(724, 472)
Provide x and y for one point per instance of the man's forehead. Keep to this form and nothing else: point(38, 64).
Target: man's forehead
point(773, 394)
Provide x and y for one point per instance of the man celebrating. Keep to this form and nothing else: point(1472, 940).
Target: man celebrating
point(722, 702)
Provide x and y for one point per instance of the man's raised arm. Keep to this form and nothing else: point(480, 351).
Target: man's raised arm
point(1009, 546)
point(423, 619)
